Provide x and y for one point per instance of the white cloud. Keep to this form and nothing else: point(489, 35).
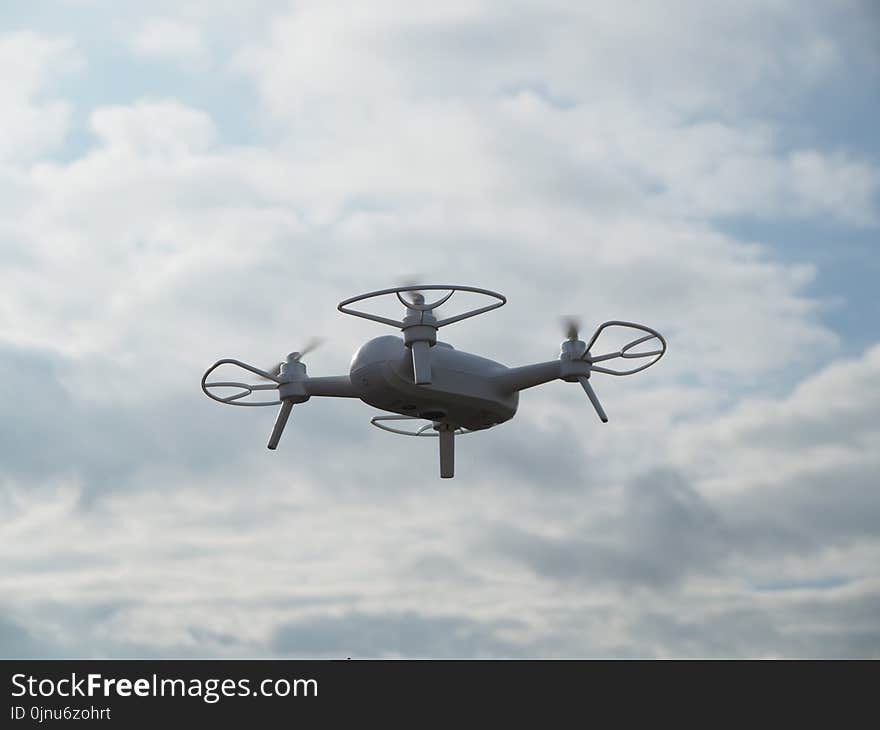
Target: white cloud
point(146, 129)
point(164, 38)
point(577, 51)
point(826, 426)
point(31, 124)
point(570, 156)
point(588, 100)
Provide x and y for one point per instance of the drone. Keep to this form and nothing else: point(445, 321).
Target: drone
point(418, 378)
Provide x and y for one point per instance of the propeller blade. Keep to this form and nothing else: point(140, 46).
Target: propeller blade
point(416, 297)
point(421, 359)
point(313, 344)
point(447, 452)
point(591, 394)
point(280, 423)
point(571, 325)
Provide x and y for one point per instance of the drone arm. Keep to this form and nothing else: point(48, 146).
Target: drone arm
point(528, 376)
point(334, 386)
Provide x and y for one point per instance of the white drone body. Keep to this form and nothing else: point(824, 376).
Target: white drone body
point(416, 377)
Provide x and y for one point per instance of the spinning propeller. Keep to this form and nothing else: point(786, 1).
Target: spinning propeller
point(313, 344)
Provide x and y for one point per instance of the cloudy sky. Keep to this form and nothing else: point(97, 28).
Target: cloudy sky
point(182, 181)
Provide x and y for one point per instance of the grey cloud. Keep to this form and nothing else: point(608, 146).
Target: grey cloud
point(839, 623)
point(363, 635)
point(50, 431)
point(664, 532)
point(809, 512)
point(57, 630)
point(522, 454)
point(16, 642)
point(435, 567)
point(54, 630)
point(840, 626)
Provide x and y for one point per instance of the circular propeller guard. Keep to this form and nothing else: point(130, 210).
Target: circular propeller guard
point(377, 421)
point(422, 307)
point(247, 389)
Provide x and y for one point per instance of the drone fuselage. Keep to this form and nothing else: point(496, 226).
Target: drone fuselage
point(465, 390)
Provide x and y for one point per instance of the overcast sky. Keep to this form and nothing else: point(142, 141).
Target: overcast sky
point(182, 181)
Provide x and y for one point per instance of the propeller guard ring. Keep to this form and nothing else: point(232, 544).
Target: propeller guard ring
point(624, 351)
point(247, 389)
point(343, 306)
point(422, 432)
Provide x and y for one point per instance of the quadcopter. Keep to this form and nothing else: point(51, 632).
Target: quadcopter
point(416, 377)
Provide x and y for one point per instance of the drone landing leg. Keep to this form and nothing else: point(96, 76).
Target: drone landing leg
point(447, 452)
point(280, 423)
point(591, 394)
